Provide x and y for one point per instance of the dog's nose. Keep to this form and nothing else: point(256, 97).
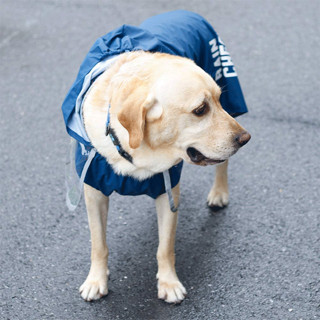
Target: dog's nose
point(243, 138)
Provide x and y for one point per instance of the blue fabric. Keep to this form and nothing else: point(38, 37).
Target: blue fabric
point(101, 176)
point(179, 33)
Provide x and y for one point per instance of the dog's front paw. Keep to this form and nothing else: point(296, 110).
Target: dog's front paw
point(95, 287)
point(218, 198)
point(171, 292)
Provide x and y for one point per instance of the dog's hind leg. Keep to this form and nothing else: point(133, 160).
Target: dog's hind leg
point(96, 284)
point(218, 196)
point(170, 288)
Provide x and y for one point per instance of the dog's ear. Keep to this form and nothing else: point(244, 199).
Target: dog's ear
point(136, 102)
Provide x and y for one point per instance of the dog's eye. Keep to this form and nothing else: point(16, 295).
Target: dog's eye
point(202, 110)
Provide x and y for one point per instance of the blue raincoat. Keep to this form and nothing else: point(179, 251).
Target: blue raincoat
point(179, 33)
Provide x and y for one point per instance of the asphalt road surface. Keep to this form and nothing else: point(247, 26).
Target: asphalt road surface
point(257, 259)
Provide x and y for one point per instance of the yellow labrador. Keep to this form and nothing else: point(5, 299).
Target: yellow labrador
point(164, 109)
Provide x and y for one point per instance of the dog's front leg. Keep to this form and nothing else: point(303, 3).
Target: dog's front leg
point(218, 196)
point(96, 284)
point(170, 288)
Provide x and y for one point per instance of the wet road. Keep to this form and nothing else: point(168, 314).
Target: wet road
point(256, 259)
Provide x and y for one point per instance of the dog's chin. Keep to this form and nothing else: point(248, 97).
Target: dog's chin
point(196, 157)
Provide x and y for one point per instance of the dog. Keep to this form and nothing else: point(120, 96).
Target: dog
point(144, 114)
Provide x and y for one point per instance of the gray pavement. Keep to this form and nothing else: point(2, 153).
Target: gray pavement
point(257, 259)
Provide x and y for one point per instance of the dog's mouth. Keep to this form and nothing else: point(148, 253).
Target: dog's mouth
point(198, 158)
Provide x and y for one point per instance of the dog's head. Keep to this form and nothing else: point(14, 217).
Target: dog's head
point(170, 104)
point(163, 108)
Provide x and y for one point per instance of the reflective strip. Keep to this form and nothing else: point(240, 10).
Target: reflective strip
point(87, 164)
point(74, 184)
point(76, 121)
point(167, 183)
